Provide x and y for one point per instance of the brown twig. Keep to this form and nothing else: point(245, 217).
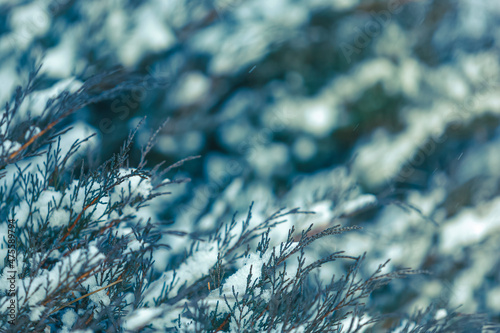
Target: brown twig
point(78, 218)
point(38, 135)
point(82, 297)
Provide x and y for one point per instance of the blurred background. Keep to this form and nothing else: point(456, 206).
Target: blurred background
point(383, 114)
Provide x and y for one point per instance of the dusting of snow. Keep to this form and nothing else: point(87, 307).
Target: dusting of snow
point(401, 328)
point(54, 206)
point(60, 60)
point(8, 78)
point(8, 147)
point(238, 280)
point(140, 318)
point(28, 22)
point(192, 269)
point(269, 160)
point(440, 314)
point(69, 319)
point(136, 185)
point(41, 208)
point(320, 120)
point(240, 314)
point(469, 281)
point(360, 203)
point(493, 298)
point(97, 297)
point(191, 88)
point(36, 312)
point(151, 35)
point(47, 281)
point(304, 148)
point(354, 322)
point(470, 226)
point(37, 100)
point(33, 131)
